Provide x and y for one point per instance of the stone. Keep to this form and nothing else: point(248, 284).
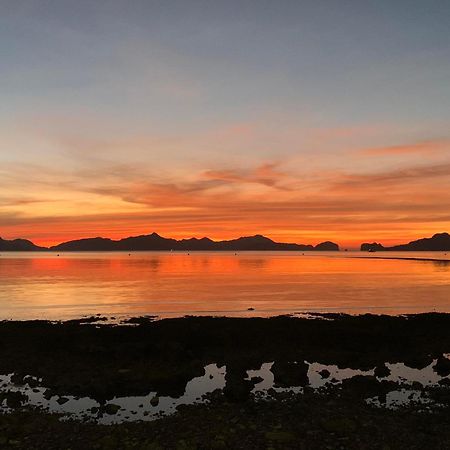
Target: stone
point(382, 371)
point(111, 409)
point(442, 366)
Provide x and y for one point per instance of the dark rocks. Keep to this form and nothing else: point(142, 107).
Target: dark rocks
point(418, 361)
point(111, 409)
point(162, 356)
point(382, 371)
point(256, 380)
point(143, 320)
point(324, 373)
point(62, 400)
point(31, 381)
point(340, 425)
point(287, 374)
point(48, 394)
point(280, 436)
point(360, 385)
point(442, 366)
point(87, 320)
point(15, 399)
point(237, 388)
point(17, 379)
point(154, 401)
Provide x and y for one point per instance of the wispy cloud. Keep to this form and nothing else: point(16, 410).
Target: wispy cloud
point(267, 174)
point(432, 174)
point(117, 200)
point(425, 147)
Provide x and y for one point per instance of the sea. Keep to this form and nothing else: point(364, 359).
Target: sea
point(174, 284)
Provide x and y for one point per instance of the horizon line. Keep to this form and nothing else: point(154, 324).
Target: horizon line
point(206, 237)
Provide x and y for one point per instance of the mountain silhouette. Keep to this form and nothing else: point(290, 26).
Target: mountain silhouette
point(439, 242)
point(327, 246)
point(155, 242)
point(18, 245)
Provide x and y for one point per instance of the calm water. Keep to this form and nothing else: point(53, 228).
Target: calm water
point(71, 285)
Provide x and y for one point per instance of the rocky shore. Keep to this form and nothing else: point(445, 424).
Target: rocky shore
point(94, 359)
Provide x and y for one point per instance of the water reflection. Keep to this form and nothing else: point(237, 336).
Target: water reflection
point(151, 406)
point(119, 409)
point(442, 265)
point(76, 284)
point(253, 263)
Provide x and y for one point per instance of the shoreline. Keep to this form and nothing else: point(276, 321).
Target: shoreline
point(90, 358)
point(315, 253)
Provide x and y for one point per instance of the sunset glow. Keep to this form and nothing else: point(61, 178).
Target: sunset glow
point(222, 123)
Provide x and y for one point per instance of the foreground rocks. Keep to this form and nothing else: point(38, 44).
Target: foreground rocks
point(101, 361)
point(309, 421)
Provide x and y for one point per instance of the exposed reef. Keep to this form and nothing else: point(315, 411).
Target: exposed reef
point(91, 357)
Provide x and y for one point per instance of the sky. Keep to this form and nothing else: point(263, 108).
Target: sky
point(304, 120)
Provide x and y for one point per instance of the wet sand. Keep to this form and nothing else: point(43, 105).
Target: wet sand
point(95, 359)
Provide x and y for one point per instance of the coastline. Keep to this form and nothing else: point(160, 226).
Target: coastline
point(90, 358)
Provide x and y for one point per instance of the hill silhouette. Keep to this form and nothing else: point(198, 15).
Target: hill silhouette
point(327, 246)
point(155, 242)
point(438, 242)
point(18, 245)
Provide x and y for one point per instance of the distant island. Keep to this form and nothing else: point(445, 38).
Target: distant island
point(19, 245)
point(155, 242)
point(440, 242)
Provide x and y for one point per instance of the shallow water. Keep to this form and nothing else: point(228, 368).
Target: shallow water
point(141, 408)
point(132, 408)
point(45, 285)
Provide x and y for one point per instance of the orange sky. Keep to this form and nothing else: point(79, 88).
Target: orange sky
point(298, 121)
point(287, 201)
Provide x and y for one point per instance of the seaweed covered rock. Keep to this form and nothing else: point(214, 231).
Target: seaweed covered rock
point(237, 388)
point(111, 408)
point(442, 366)
point(382, 371)
point(14, 399)
point(287, 374)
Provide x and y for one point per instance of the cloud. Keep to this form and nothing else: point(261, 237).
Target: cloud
point(118, 200)
point(397, 177)
point(266, 174)
point(426, 147)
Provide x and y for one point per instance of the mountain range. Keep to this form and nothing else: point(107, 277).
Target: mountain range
point(154, 241)
point(438, 242)
point(19, 245)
